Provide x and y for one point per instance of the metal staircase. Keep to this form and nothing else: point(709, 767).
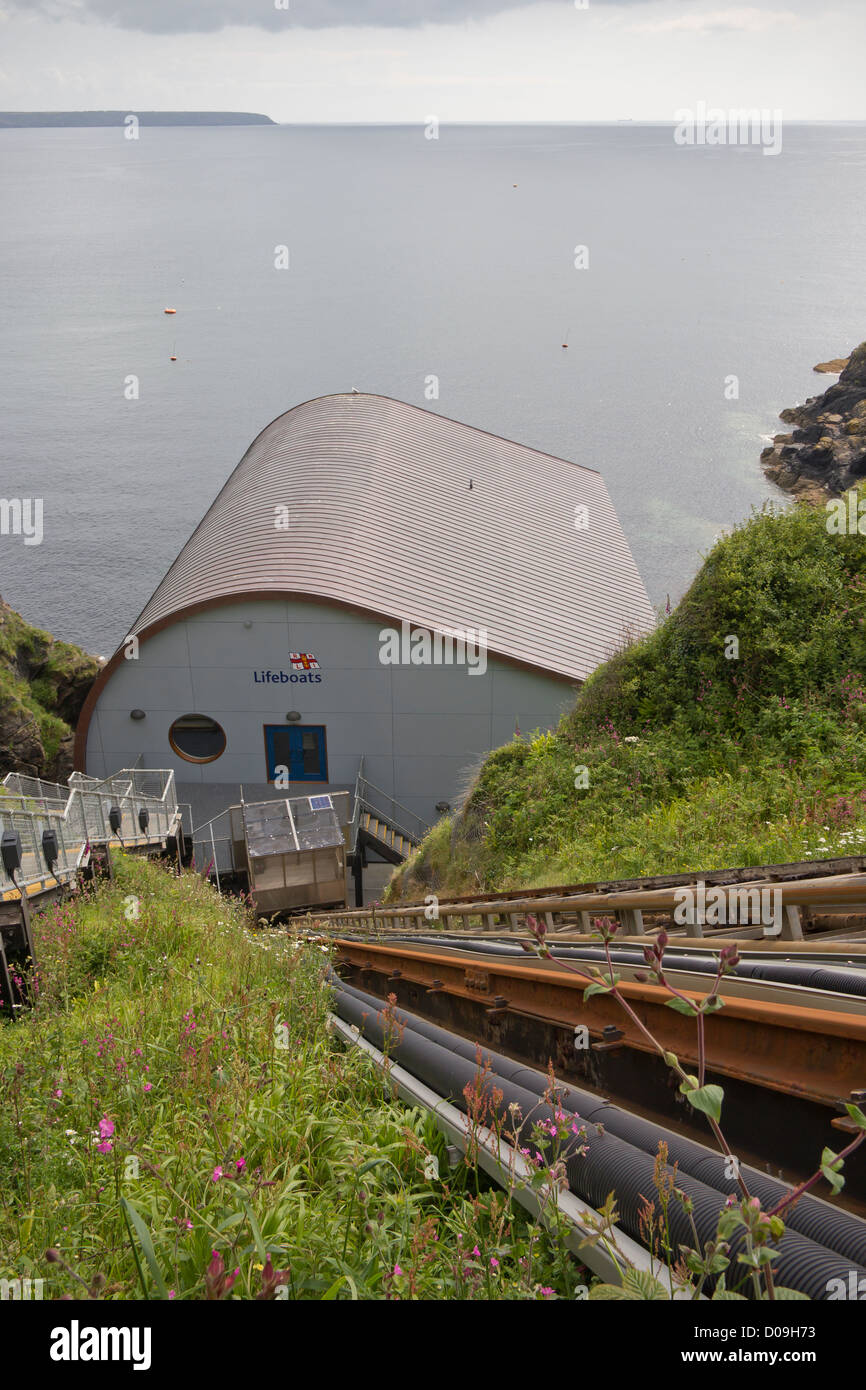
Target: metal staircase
point(382, 826)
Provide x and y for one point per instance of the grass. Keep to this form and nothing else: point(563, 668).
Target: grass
point(176, 1092)
point(43, 683)
point(733, 735)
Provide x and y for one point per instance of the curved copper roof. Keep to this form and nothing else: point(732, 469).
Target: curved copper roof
point(381, 517)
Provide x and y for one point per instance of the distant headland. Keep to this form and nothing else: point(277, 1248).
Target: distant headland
point(21, 119)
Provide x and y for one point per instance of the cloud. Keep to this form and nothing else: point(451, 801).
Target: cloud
point(751, 20)
point(203, 16)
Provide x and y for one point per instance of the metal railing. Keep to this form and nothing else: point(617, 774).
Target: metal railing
point(386, 808)
point(829, 894)
point(80, 816)
point(213, 846)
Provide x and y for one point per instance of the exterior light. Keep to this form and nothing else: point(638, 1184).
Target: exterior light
point(294, 715)
point(247, 622)
point(136, 714)
point(10, 852)
point(50, 849)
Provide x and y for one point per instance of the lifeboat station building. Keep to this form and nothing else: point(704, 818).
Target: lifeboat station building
point(376, 590)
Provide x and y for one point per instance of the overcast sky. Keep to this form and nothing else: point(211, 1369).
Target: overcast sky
point(461, 60)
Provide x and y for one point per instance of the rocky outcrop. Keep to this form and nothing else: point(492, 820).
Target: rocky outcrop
point(826, 452)
point(43, 684)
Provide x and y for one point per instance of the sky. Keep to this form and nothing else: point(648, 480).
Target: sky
point(458, 60)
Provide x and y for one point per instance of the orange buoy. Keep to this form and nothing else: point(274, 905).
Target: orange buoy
point(169, 311)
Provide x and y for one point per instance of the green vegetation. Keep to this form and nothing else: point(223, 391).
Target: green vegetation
point(735, 734)
point(43, 684)
point(176, 1092)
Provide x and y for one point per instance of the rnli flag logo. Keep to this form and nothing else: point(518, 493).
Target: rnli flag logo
point(303, 661)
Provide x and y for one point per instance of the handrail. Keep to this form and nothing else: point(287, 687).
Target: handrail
point(78, 816)
point(842, 891)
point(393, 812)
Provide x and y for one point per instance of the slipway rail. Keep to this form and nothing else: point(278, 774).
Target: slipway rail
point(767, 906)
point(49, 833)
point(789, 1046)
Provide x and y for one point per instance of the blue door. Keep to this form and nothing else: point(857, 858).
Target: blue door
point(298, 747)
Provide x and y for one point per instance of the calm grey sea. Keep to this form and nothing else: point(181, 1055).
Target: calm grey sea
point(408, 258)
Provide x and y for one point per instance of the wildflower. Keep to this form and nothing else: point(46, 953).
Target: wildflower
point(397, 1271)
point(105, 1147)
point(216, 1174)
point(546, 1292)
point(171, 1293)
point(148, 1086)
point(217, 1281)
point(476, 1252)
point(494, 1262)
point(241, 1164)
point(272, 1278)
point(106, 1128)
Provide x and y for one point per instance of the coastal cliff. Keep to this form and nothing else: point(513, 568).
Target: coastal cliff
point(43, 684)
point(826, 452)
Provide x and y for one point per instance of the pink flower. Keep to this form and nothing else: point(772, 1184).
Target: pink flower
point(545, 1293)
point(171, 1293)
point(397, 1271)
point(148, 1085)
point(241, 1163)
point(106, 1128)
point(216, 1174)
point(476, 1252)
point(217, 1282)
point(494, 1262)
point(105, 1146)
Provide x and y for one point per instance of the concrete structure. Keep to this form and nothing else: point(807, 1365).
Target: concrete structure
point(373, 581)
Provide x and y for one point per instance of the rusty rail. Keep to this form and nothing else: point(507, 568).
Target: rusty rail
point(818, 1054)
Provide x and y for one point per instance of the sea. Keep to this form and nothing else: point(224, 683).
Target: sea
point(695, 288)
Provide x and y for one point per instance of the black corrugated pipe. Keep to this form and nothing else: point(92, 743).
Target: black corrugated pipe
point(830, 1226)
point(819, 977)
point(610, 1163)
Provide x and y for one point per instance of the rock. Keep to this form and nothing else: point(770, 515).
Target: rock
point(835, 366)
point(43, 685)
point(826, 452)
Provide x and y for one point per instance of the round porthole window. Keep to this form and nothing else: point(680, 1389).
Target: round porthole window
point(197, 738)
